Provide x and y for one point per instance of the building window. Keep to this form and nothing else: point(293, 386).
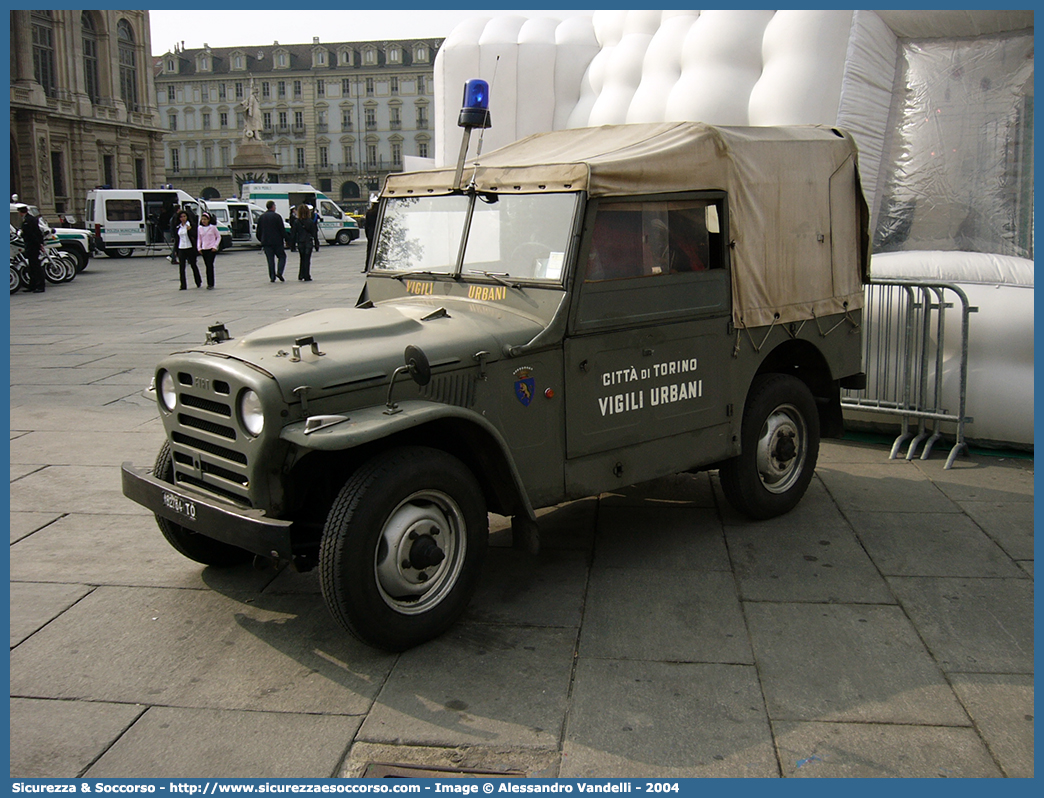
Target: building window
point(396, 117)
point(43, 52)
point(222, 93)
point(300, 158)
point(128, 64)
point(224, 155)
point(139, 172)
point(239, 90)
point(206, 121)
point(394, 55)
point(422, 149)
point(320, 117)
point(281, 89)
point(170, 65)
point(324, 156)
point(282, 119)
point(369, 87)
point(298, 118)
point(371, 118)
point(349, 156)
point(297, 90)
point(58, 174)
point(282, 59)
point(109, 170)
point(346, 119)
point(420, 53)
point(396, 153)
point(422, 117)
point(90, 56)
point(394, 84)
point(208, 158)
point(223, 119)
point(346, 57)
point(172, 122)
point(266, 120)
point(421, 85)
point(175, 161)
point(346, 87)
point(320, 57)
point(371, 155)
point(238, 62)
point(370, 57)
point(320, 88)
point(171, 94)
point(266, 90)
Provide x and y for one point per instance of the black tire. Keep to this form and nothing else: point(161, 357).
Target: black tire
point(343, 237)
point(780, 440)
point(17, 279)
point(119, 252)
point(77, 252)
point(192, 544)
point(405, 504)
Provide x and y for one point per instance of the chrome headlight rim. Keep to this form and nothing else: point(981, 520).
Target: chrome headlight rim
point(166, 390)
point(251, 412)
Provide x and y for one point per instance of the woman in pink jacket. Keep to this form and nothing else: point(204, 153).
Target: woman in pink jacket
point(208, 239)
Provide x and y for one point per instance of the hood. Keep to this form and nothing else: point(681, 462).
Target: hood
point(363, 346)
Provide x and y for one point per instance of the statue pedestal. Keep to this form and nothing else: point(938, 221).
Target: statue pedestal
point(254, 163)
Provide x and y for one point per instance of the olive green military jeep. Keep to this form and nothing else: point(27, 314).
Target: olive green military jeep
point(585, 310)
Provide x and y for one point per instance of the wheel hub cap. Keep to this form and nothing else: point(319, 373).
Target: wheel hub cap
point(781, 449)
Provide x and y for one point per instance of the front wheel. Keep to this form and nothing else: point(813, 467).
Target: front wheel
point(192, 544)
point(343, 237)
point(403, 546)
point(780, 447)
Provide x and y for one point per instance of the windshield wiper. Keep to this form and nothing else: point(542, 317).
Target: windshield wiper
point(426, 273)
point(497, 277)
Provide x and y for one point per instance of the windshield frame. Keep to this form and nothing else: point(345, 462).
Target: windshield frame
point(459, 270)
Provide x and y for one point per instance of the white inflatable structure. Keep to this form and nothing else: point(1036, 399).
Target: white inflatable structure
point(939, 102)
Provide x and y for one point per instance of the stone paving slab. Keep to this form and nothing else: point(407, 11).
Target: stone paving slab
point(883, 488)
point(1001, 706)
point(478, 684)
point(34, 605)
point(73, 489)
point(25, 524)
point(60, 739)
point(173, 742)
point(125, 550)
point(972, 625)
point(904, 544)
point(635, 613)
point(666, 720)
point(818, 563)
point(988, 479)
point(1009, 524)
point(196, 648)
point(860, 663)
point(875, 750)
point(69, 447)
point(661, 538)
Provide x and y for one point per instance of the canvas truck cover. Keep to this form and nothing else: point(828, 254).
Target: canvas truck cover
point(798, 220)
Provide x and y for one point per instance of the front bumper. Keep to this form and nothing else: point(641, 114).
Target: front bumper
point(248, 529)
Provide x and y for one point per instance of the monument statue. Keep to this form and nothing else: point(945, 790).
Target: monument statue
point(251, 115)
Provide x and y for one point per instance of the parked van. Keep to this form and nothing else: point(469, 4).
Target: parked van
point(335, 226)
point(239, 216)
point(126, 218)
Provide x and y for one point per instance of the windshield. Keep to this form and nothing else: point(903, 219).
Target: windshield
point(522, 236)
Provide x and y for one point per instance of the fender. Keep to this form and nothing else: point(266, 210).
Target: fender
point(375, 423)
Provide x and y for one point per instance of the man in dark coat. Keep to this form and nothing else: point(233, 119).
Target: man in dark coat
point(272, 234)
point(370, 226)
point(32, 237)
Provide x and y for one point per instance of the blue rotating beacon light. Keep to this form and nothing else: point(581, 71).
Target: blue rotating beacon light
point(474, 113)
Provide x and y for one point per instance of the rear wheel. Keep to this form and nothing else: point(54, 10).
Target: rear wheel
point(780, 440)
point(192, 544)
point(403, 547)
point(119, 252)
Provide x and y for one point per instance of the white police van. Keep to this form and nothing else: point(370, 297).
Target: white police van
point(124, 219)
point(335, 226)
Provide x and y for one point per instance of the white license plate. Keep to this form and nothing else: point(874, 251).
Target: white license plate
point(179, 505)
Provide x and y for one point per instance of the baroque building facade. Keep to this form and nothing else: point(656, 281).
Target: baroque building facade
point(83, 106)
point(339, 116)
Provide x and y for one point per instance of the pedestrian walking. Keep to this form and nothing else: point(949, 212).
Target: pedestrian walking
point(208, 240)
point(305, 239)
point(271, 232)
point(32, 238)
point(186, 243)
point(173, 226)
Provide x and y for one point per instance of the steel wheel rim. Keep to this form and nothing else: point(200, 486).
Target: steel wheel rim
point(430, 515)
point(782, 449)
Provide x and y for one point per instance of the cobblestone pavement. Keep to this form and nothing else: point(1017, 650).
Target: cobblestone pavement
point(884, 628)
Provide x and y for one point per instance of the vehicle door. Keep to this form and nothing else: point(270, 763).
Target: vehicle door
point(331, 219)
point(155, 204)
point(124, 224)
point(646, 359)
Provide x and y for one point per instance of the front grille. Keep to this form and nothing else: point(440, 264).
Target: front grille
point(207, 426)
point(208, 445)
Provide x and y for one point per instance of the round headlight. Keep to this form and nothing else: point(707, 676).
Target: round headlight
point(167, 395)
point(251, 413)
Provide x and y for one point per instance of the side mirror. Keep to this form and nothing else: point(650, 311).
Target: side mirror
point(417, 364)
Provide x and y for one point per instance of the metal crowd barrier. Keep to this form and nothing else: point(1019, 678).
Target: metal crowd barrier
point(905, 328)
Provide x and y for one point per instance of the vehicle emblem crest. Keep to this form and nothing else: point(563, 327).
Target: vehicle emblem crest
point(525, 386)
